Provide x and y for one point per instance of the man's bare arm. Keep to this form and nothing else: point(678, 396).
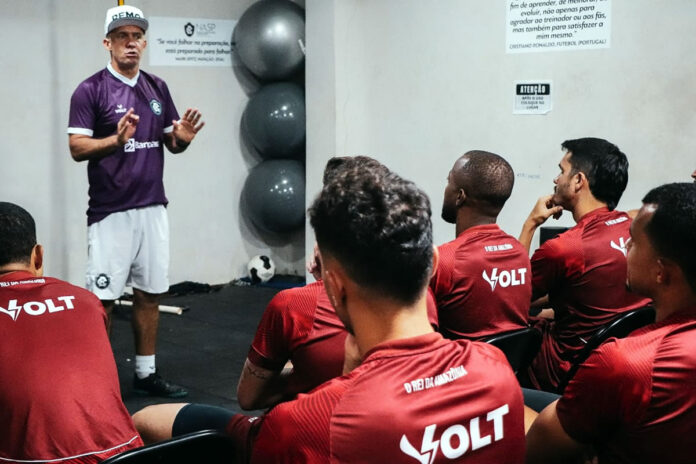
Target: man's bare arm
point(261, 388)
point(548, 442)
point(543, 209)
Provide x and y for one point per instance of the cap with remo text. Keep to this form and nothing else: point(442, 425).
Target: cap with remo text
point(124, 15)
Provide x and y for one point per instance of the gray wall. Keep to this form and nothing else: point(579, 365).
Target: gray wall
point(50, 46)
point(415, 84)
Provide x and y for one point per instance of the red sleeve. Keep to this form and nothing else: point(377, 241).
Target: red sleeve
point(441, 282)
point(271, 346)
point(607, 391)
point(299, 430)
point(554, 262)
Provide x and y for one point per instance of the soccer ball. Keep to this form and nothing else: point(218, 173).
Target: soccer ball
point(261, 269)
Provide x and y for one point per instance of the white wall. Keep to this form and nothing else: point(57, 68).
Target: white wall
point(49, 47)
point(416, 84)
point(412, 83)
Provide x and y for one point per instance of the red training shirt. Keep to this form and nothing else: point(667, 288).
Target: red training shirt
point(483, 284)
point(300, 324)
point(60, 396)
point(583, 270)
point(635, 398)
point(420, 399)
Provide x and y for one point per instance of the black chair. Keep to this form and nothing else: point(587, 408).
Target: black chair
point(620, 327)
point(520, 346)
point(209, 446)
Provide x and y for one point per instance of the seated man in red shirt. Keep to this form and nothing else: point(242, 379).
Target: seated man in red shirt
point(407, 393)
point(300, 325)
point(482, 284)
point(60, 399)
point(582, 270)
point(634, 399)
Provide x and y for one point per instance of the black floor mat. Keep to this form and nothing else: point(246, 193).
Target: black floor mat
point(203, 349)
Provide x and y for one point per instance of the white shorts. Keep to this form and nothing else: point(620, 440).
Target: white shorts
point(129, 248)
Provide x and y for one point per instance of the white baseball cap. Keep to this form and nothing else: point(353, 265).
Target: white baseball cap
point(124, 15)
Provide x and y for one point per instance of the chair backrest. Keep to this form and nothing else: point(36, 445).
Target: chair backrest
point(209, 446)
point(620, 327)
point(520, 346)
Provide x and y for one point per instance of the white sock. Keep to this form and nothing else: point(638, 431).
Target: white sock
point(144, 365)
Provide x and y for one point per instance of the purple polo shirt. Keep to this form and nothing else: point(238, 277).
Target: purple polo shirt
point(130, 177)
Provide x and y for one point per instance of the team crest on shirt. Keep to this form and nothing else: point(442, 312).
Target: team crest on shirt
point(102, 281)
point(156, 107)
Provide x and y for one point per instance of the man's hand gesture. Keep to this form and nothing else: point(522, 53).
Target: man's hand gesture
point(186, 128)
point(126, 126)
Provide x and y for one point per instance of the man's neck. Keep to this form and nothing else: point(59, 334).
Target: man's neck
point(468, 219)
point(129, 73)
point(14, 267)
point(586, 205)
point(674, 301)
point(386, 320)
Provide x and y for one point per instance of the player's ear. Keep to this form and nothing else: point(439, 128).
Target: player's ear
point(461, 197)
point(335, 287)
point(37, 260)
point(107, 43)
point(580, 181)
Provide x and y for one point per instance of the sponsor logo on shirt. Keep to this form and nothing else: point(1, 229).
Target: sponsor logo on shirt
point(466, 438)
point(425, 383)
point(616, 221)
point(505, 278)
point(132, 145)
point(37, 308)
point(120, 109)
point(502, 247)
point(621, 246)
point(156, 107)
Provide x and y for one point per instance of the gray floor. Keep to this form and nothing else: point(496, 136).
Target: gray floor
point(203, 349)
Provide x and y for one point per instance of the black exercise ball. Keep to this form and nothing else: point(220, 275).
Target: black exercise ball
point(274, 120)
point(269, 39)
point(274, 193)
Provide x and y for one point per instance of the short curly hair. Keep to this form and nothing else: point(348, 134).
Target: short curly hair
point(17, 234)
point(378, 226)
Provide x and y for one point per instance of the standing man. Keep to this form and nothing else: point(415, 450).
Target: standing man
point(583, 270)
point(120, 118)
point(633, 399)
point(482, 284)
point(59, 398)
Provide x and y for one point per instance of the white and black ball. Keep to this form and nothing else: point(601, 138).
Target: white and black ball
point(261, 269)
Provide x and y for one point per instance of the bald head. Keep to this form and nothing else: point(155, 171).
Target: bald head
point(486, 180)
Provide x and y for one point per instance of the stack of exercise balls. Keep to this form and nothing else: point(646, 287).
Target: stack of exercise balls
point(269, 41)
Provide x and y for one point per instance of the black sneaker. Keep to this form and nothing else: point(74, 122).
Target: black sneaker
point(154, 385)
